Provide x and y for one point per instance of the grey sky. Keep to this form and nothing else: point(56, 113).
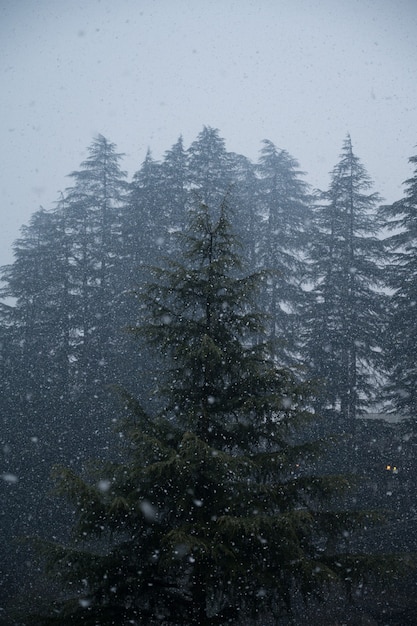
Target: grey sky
point(301, 73)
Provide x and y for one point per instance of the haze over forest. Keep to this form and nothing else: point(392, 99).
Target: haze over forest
point(271, 323)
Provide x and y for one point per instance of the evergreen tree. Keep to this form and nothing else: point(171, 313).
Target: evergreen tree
point(34, 282)
point(144, 228)
point(174, 188)
point(284, 214)
point(62, 291)
point(243, 194)
point(210, 519)
point(38, 327)
point(145, 234)
point(64, 283)
point(401, 336)
point(34, 391)
point(346, 316)
point(209, 168)
point(93, 215)
point(400, 342)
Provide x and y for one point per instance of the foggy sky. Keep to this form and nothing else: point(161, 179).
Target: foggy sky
point(301, 73)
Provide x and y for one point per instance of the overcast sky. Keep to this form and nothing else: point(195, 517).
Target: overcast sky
point(302, 73)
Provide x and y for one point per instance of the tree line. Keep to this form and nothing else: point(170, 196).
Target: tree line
point(337, 307)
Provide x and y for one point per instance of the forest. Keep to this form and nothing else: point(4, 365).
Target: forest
point(208, 395)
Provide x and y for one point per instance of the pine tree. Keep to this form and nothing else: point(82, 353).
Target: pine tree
point(401, 336)
point(144, 226)
point(243, 194)
point(347, 307)
point(93, 210)
point(36, 282)
point(209, 519)
point(209, 171)
point(63, 291)
point(34, 391)
point(174, 188)
point(65, 281)
point(284, 214)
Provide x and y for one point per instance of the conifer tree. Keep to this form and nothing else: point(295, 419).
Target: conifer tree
point(209, 167)
point(36, 280)
point(401, 348)
point(174, 187)
point(243, 194)
point(34, 390)
point(209, 519)
point(61, 339)
point(65, 282)
point(283, 204)
point(346, 317)
point(143, 223)
point(93, 215)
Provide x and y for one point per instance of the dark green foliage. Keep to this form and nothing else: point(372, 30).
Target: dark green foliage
point(199, 316)
point(214, 516)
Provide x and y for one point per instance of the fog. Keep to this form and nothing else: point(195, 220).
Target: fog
point(141, 73)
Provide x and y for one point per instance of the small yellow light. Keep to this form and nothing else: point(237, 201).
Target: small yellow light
point(388, 467)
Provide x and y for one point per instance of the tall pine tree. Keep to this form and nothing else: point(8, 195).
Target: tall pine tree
point(401, 338)
point(93, 210)
point(209, 172)
point(284, 209)
point(346, 316)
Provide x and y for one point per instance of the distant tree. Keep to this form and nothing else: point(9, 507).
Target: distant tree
point(209, 519)
point(174, 188)
point(32, 283)
point(209, 168)
point(283, 203)
point(144, 226)
point(64, 284)
point(93, 211)
point(401, 336)
point(243, 194)
point(16, 451)
point(212, 173)
point(34, 390)
point(60, 346)
point(346, 317)
point(399, 393)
